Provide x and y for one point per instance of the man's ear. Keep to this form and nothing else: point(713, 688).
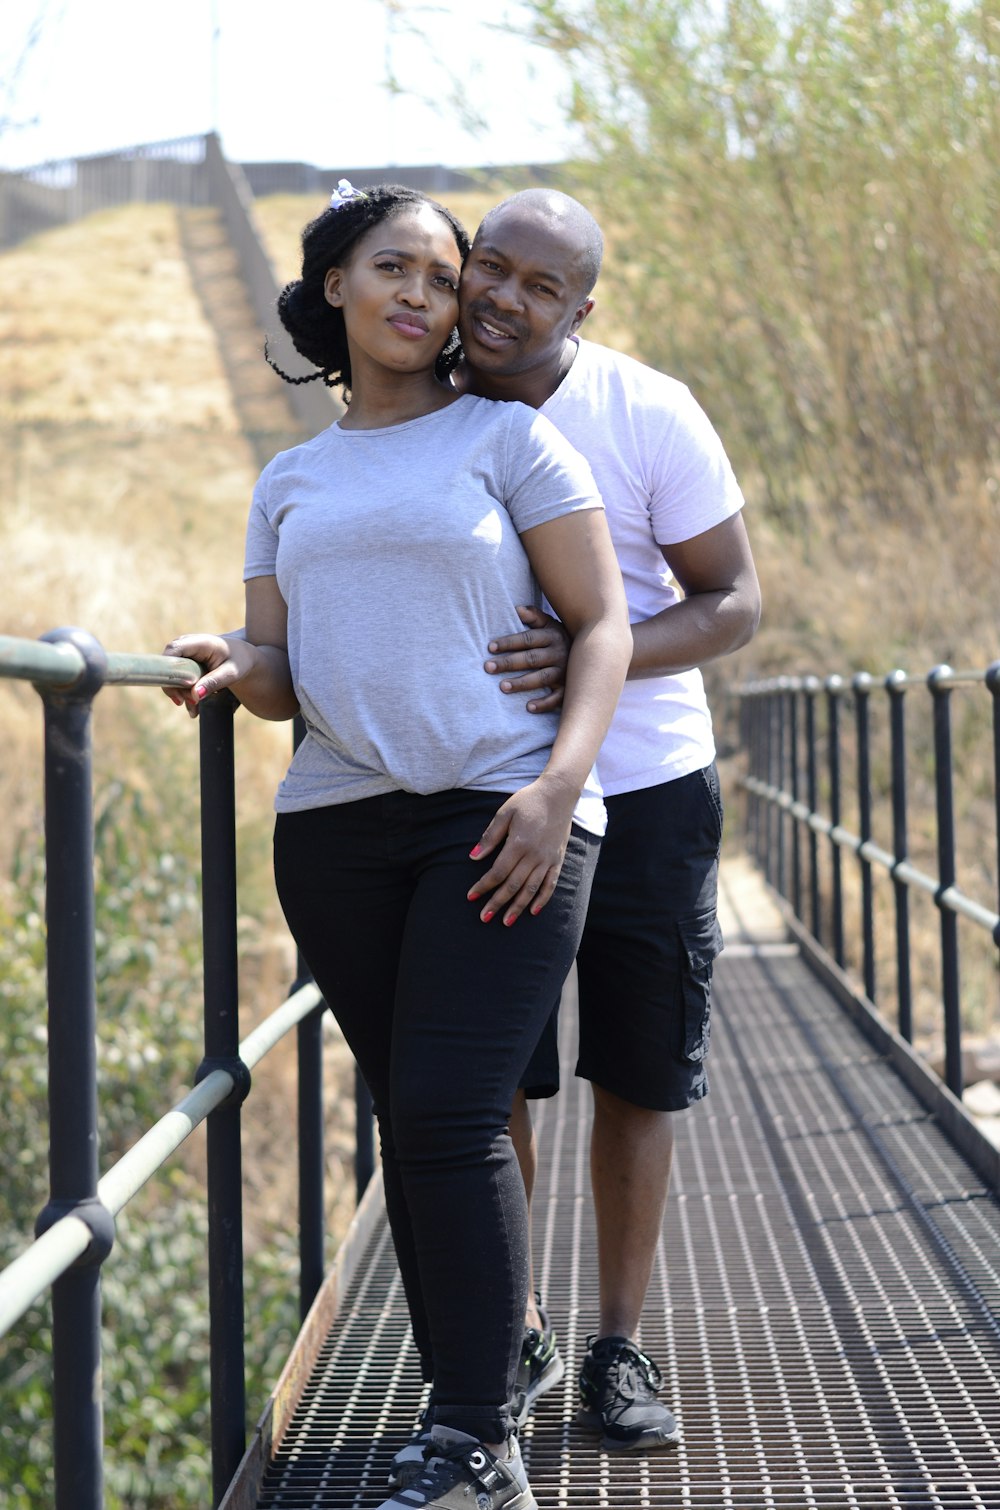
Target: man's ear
point(581, 315)
point(331, 287)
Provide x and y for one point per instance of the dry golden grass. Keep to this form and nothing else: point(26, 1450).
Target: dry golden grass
point(124, 479)
point(100, 323)
point(856, 593)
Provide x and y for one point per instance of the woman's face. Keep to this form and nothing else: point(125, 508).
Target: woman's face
point(399, 291)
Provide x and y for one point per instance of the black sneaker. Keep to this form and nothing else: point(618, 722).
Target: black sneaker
point(459, 1473)
point(618, 1387)
point(540, 1368)
point(408, 1463)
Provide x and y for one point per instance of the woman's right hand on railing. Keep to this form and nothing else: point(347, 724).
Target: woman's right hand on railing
point(258, 674)
point(224, 662)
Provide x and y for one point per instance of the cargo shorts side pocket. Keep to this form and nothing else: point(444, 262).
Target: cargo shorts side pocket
point(701, 943)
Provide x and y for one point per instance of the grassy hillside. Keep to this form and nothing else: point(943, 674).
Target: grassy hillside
point(124, 479)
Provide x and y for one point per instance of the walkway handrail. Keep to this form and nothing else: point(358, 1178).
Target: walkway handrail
point(76, 1229)
point(60, 665)
point(788, 760)
point(31, 1273)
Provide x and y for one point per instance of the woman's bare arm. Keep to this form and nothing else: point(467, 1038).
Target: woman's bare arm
point(253, 664)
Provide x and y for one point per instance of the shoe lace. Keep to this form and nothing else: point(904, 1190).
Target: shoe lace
point(636, 1374)
point(446, 1466)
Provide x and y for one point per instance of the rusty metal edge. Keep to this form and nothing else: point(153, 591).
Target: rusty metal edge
point(951, 1114)
point(244, 1489)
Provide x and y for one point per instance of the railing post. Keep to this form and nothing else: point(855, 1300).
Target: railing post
point(811, 686)
point(312, 1222)
point(895, 684)
point(767, 775)
point(77, 1404)
point(793, 756)
point(862, 684)
point(780, 758)
point(312, 1216)
point(759, 770)
point(834, 688)
point(944, 796)
point(993, 685)
point(774, 815)
point(746, 745)
point(222, 1038)
point(364, 1124)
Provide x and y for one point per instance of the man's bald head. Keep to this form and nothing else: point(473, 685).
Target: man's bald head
point(561, 213)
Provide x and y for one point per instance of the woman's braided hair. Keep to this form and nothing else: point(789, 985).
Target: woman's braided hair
point(317, 329)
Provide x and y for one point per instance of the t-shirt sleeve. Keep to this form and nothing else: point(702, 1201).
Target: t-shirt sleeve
point(692, 486)
point(544, 476)
point(260, 557)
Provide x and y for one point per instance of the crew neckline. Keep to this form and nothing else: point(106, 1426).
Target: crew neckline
point(406, 424)
point(566, 381)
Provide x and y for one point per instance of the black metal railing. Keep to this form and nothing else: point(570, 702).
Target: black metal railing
point(75, 1231)
point(796, 746)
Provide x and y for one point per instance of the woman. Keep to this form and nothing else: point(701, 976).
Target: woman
point(425, 814)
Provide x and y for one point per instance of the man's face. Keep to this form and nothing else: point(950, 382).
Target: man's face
point(522, 293)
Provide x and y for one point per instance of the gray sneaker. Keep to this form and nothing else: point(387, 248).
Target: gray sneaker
point(459, 1473)
point(618, 1387)
point(539, 1369)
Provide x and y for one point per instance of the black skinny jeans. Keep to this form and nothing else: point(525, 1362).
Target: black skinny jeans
point(441, 1012)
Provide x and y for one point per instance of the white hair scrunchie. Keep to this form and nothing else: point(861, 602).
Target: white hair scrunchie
point(344, 193)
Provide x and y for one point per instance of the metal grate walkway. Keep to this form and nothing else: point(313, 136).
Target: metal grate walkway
point(826, 1306)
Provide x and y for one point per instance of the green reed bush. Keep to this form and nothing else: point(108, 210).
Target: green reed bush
point(803, 200)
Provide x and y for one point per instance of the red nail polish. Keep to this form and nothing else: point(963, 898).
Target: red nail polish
point(487, 917)
point(475, 852)
point(509, 922)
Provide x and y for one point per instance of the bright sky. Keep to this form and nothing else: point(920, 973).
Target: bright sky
point(301, 80)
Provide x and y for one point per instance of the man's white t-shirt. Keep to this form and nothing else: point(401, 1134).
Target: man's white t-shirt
point(664, 477)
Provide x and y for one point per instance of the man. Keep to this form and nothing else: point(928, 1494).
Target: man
point(644, 969)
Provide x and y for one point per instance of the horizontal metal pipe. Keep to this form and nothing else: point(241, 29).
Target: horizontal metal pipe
point(145, 1157)
point(956, 901)
point(951, 899)
point(870, 851)
point(811, 684)
point(291, 1012)
point(918, 879)
point(125, 1178)
point(31, 1273)
point(45, 664)
point(151, 670)
point(61, 665)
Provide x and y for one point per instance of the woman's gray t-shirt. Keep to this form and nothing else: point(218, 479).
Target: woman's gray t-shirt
point(398, 554)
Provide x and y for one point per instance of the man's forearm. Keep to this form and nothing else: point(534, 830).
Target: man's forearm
point(696, 630)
